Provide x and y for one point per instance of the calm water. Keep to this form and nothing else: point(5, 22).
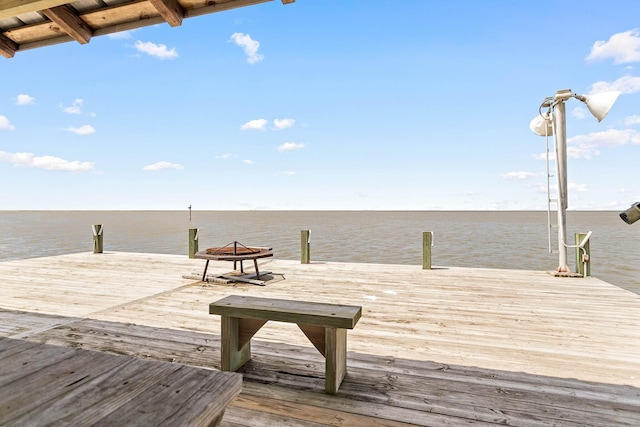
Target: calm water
point(512, 240)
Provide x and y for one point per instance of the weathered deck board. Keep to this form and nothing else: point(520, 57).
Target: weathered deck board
point(448, 346)
point(422, 393)
point(43, 385)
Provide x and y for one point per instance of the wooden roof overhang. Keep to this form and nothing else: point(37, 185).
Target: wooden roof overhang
point(29, 24)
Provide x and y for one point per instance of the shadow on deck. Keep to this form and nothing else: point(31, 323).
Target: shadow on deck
point(284, 384)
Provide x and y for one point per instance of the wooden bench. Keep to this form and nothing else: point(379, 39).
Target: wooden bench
point(44, 385)
point(324, 324)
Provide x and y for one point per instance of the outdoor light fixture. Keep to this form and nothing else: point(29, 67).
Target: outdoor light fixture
point(553, 122)
point(632, 214)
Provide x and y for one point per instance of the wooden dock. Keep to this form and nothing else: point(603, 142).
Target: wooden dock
point(441, 347)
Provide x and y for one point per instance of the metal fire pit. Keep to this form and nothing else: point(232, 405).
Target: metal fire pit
point(236, 252)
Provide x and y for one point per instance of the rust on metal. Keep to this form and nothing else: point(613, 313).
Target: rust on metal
point(234, 251)
point(234, 248)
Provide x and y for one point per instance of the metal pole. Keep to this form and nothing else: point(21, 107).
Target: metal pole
point(583, 254)
point(560, 131)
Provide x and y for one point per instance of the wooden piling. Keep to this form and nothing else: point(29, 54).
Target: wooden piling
point(98, 243)
point(580, 255)
point(427, 241)
point(305, 246)
point(193, 242)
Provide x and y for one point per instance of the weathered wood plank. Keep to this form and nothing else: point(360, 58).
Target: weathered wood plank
point(513, 347)
point(23, 403)
point(336, 358)
point(170, 10)
point(195, 388)
point(11, 8)
point(14, 324)
point(240, 417)
point(48, 385)
point(399, 382)
point(312, 412)
point(292, 311)
point(425, 397)
point(69, 21)
point(7, 46)
point(234, 354)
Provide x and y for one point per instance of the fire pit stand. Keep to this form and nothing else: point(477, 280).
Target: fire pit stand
point(235, 252)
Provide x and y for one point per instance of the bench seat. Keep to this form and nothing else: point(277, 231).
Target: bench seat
point(324, 324)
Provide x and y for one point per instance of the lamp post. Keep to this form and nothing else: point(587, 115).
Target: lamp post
point(553, 122)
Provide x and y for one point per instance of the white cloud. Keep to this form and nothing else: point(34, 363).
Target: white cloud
point(519, 175)
point(247, 162)
point(75, 108)
point(579, 113)
point(82, 130)
point(572, 186)
point(542, 189)
point(249, 46)
point(586, 146)
point(5, 124)
point(159, 51)
point(162, 166)
point(58, 164)
point(543, 156)
point(607, 137)
point(626, 84)
point(632, 120)
point(288, 173)
point(122, 35)
point(290, 146)
point(224, 156)
point(583, 151)
point(621, 47)
point(257, 124)
point(52, 163)
point(24, 99)
point(283, 123)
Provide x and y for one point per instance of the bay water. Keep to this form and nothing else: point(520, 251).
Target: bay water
point(515, 240)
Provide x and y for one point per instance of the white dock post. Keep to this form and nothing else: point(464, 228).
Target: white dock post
point(583, 257)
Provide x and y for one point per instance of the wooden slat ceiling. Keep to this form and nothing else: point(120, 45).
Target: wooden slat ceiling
point(29, 24)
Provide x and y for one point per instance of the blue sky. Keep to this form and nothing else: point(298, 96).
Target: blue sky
point(326, 104)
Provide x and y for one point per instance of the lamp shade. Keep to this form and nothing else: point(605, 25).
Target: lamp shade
point(600, 103)
point(538, 125)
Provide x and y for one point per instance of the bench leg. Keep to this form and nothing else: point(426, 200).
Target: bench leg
point(236, 341)
point(232, 356)
point(336, 359)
